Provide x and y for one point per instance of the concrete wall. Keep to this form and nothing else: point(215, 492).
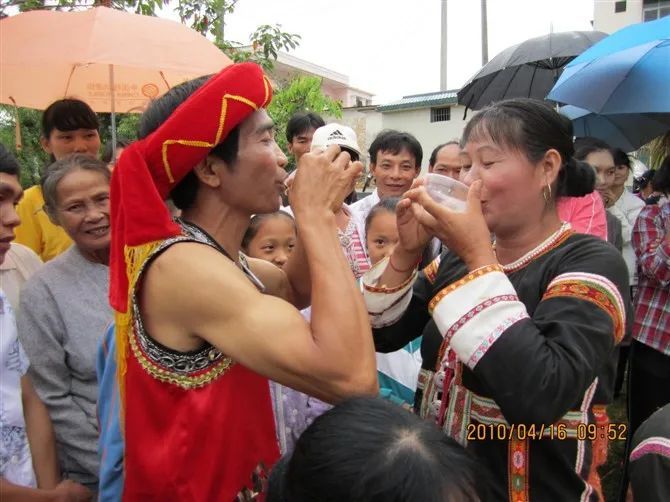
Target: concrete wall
point(605, 19)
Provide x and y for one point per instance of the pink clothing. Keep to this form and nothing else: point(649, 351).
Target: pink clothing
point(585, 214)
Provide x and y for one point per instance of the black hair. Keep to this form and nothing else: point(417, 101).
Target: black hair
point(107, 150)
point(8, 163)
point(621, 158)
point(642, 181)
point(661, 180)
point(183, 195)
point(68, 114)
point(433, 155)
point(255, 224)
point(394, 142)
point(301, 122)
point(387, 204)
point(533, 127)
point(587, 145)
point(370, 450)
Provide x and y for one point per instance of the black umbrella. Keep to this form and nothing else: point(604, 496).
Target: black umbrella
point(529, 69)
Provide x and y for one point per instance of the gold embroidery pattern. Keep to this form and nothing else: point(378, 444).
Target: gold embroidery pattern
point(475, 274)
point(219, 132)
point(186, 382)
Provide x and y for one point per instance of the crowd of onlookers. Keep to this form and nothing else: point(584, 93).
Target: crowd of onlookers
point(55, 279)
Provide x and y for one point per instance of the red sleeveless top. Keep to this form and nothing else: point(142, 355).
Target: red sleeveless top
point(198, 426)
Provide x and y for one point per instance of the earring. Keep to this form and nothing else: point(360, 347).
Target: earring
point(546, 193)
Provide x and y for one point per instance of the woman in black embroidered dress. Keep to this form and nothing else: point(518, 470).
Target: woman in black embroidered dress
point(529, 323)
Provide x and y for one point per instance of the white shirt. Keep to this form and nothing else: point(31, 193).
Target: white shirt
point(626, 209)
point(16, 463)
point(361, 208)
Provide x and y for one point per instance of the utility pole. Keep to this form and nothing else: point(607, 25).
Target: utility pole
point(485, 35)
point(443, 48)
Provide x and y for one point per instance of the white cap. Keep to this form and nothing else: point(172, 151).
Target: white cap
point(335, 134)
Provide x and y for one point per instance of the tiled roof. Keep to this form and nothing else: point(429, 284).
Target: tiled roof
point(421, 101)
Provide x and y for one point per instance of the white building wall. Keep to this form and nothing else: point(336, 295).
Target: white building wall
point(367, 123)
point(607, 20)
point(430, 134)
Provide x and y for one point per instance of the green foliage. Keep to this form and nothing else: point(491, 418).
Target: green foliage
point(301, 94)
point(266, 42)
point(31, 157)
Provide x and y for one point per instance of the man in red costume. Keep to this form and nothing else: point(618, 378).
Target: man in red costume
point(199, 328)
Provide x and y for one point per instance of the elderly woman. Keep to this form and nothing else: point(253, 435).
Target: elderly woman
point(529, 321)
point(64, 310)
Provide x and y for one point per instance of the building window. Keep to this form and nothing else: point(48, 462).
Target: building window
point(653, 10)
point(620, 6)
point(440, 114)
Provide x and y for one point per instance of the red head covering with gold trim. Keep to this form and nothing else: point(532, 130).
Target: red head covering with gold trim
point(150, 168)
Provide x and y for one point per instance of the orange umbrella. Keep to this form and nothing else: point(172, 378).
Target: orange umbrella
point(113, 60)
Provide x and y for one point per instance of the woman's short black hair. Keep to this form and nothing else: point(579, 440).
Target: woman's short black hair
point(533, 127)
point(68, 114)
point(661, 180)
point(8, 163)
point(394, 142)
point(370, 450)
point(183, 195)
point(588, 145)
point(621, 158)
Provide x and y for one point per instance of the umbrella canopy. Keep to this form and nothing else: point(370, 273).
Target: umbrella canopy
point(628, 72)
point(528, 69)
point(96, 55)
point(628, 131)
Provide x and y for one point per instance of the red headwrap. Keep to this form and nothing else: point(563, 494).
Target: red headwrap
point(150, 168)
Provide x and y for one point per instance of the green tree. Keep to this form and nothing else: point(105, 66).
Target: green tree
point(300, 94)
point(31, 157)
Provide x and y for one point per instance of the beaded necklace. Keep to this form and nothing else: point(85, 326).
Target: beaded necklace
point(551, 242)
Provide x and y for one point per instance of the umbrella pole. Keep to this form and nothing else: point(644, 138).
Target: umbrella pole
point(111, 90)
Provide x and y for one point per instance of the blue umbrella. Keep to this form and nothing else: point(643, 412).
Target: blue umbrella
point(627, 72)
point(628, 131)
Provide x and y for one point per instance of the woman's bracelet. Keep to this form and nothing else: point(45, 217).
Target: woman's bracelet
point(402, 271)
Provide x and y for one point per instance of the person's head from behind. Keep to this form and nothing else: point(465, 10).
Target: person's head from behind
point(10, 194)
point(76, 197)
point(245, 170)
point(300, 131)
point(395, 160)
point(381, 229)
point(622, 167)
point(110, 155)
point(270, 237)
point(370, 450)
point(522, 151)
point(661, 180)
point(598, 155)
point(447, 160)
point(69, 126)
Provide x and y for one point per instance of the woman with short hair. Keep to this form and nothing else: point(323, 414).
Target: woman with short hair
point(530, 322)
point(64, 310)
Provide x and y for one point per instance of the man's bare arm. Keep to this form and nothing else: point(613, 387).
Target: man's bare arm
point(192, 290)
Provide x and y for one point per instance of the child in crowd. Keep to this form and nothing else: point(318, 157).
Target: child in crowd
point(270, 237)
point(398, 371)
